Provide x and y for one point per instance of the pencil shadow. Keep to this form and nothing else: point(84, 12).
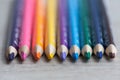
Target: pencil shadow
point(18, 59)
point(83, 59)
point(7, 33)
point(36, 61)
point(45, 59)
point(96, 59)
point(58, 59)
point(107, 58)
point(70, 59)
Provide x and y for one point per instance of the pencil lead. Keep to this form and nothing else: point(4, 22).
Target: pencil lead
point(111, 51)
point(50, 56)
point(11, 56)
point(63, 56)
point(112, 55)
point(23, 56)
point(99, 55)
point(75, 56)
point(37, 56)
point(87, 55)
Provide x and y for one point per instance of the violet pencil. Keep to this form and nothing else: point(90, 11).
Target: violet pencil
point(62, 50)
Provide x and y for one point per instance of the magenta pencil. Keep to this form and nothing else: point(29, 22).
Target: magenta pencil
point(25, 36)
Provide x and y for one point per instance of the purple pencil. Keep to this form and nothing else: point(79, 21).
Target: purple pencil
point(62, 50)
point(15, 32)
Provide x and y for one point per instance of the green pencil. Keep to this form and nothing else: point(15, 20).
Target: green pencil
point(86, 34)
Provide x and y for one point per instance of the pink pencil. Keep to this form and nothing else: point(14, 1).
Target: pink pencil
point(25, 36)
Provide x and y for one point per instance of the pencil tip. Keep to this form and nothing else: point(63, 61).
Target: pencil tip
point(75, 56)
point(63, 56)
point(11, 56)
point(112, 55)
point(87, 55)
point(99, 55)
point(23, 56)
point(37, 56)
point(111, 51)
point(50, 56)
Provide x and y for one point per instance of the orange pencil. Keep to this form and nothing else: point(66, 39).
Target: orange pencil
point(38, 30)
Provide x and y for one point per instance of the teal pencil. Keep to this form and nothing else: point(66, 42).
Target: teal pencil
point(85, 29)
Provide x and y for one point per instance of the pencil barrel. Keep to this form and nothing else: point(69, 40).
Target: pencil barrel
point(107, 34)
point(96, 30)
point(39, 24)
point(17, 21)
point(73, 23)
point(25, 36)
point(63, 24)
point(85, 20)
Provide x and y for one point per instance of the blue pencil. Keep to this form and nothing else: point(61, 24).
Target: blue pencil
point(97, 36)
point(14, 38)
point(74, 42)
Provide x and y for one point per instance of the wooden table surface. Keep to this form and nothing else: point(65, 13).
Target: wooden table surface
point(54, 69)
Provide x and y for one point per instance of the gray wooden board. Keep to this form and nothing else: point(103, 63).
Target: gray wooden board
point(56, 70)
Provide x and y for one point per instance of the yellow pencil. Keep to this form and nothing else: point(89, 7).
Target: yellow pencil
point(50, 36)
point(38, 29)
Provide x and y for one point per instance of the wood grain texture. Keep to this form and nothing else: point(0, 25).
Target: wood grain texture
point(55, 70)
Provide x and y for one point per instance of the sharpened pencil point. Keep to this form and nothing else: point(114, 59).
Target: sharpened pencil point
point(37, 56)
point(112, 55)
point(23, 56)
point(75, 56)
point(11, 56)
point(99, 55)
point(87, 55)
point(63, 56)
point(50, 56)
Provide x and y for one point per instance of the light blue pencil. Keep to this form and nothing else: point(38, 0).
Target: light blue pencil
point(74, 42)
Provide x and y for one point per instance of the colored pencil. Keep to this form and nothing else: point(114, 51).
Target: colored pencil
point(15, 33)
point(86, 36)
point(50, 34)
point(97, 36)
point(25, 36)
point(38, 29)
point(74, 42)
point(62, 50)
point(110, 48)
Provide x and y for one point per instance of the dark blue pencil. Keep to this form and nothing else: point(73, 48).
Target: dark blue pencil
point(15, 32)
point(110, 48)
point(96, 31)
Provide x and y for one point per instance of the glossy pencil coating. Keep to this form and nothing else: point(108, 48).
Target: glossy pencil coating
point(50, 34)
point(39, 29)
point(107, 34)
point(86, 34)
point(74, 42)
point(16, 27)
point(62, 39)
point(25, 36)
point(97, 36)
